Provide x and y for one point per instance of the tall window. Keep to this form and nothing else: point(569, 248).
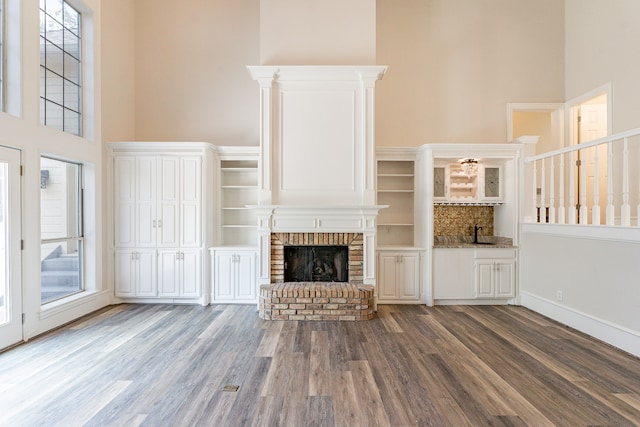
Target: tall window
point(60, 76)
point(1, 55)
point(61, 229)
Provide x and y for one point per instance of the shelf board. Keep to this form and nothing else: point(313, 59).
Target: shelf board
point(396, 191)
point(238, 226)
point(382, 175)
point(239, 187)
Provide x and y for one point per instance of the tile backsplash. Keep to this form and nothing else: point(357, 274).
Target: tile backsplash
point(459, 220)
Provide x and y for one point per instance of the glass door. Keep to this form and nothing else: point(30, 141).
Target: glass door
point(10, 252)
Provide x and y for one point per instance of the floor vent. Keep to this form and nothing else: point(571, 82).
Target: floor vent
point(232, 388)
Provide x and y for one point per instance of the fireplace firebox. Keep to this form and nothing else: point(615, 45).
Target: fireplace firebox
point(316, 263)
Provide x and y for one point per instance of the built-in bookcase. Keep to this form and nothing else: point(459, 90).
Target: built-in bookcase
point(396, 188)
point(239, 189)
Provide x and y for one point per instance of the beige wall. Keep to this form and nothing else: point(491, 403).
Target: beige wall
point(527, 123)
point(601, 47)
point(191, 83)
point(118, 65)
point(454, 65)
point(311, 32)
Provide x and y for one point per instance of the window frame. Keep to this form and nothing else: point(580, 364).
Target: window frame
point(46, 96)
point(79, 238)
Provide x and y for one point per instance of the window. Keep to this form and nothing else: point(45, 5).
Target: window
point(61, 229)
point(1, 56)
point(60, 76)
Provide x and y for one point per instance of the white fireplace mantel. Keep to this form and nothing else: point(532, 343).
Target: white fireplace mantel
point(322, 218)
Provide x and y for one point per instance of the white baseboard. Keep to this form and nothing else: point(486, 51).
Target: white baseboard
point(615, 335)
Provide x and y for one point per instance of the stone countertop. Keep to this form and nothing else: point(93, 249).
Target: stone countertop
point(467, 242)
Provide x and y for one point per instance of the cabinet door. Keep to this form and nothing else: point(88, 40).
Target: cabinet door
point(408, 284)
point(505, 278)
point(484, 279)
point(190, 201)
point(145, 219)
point(125, 273)
point(492, 183)
point(190, 273)
point(124, 197)
point(245, 280)
point(168, 273)
point(168, 201)
point(223, 275)
point(146, 275)
point(387, 276)
point(439, 182)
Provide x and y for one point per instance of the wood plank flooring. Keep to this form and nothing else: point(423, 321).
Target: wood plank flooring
point(160, 365)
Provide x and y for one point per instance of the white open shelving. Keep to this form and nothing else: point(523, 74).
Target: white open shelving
point(396, 188)
point(239, 189)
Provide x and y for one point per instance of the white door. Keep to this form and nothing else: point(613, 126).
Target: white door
point(409, 282)
point(190, 273)
point(388, 276)
point(245, 281)
point(169, 273)
point(168, 201)
point(224, 276)
point(10, 254)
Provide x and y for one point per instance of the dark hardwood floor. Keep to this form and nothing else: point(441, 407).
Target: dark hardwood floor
point(161, 365)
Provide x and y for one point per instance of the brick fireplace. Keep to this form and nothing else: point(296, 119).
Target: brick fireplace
point(350, 300)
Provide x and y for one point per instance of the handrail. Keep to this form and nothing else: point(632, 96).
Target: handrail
point(584, 145)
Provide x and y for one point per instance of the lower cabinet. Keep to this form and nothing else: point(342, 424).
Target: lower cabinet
point(166, 273)
point(135, 273)
point(399, 276)
point(234, 275)
point(179, 273)
point(495, 277)
point(465, 274)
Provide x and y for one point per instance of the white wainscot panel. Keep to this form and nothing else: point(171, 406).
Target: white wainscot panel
point(318, 141)
point(339, 224)
point(294, 223)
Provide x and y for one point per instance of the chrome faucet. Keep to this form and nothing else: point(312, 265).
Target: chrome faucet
point(475, 233)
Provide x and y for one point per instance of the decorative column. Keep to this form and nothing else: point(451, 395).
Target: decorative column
point(265, 78)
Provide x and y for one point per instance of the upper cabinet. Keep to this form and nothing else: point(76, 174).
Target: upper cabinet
point(479, 184)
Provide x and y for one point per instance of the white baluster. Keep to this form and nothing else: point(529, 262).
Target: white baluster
point(611, 210)
point(595, 209)
point(572, 184)
point(626, 208)
point(543, 194)
point(584, 210)
point(534, 193)
point(552, 193)
point(561, 212)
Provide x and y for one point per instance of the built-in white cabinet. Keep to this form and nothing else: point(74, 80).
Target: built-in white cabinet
point(495, 273)
point(399, 276)
point(461, 274)
point(451, 184)
point(158, 228)
point(234, 274)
